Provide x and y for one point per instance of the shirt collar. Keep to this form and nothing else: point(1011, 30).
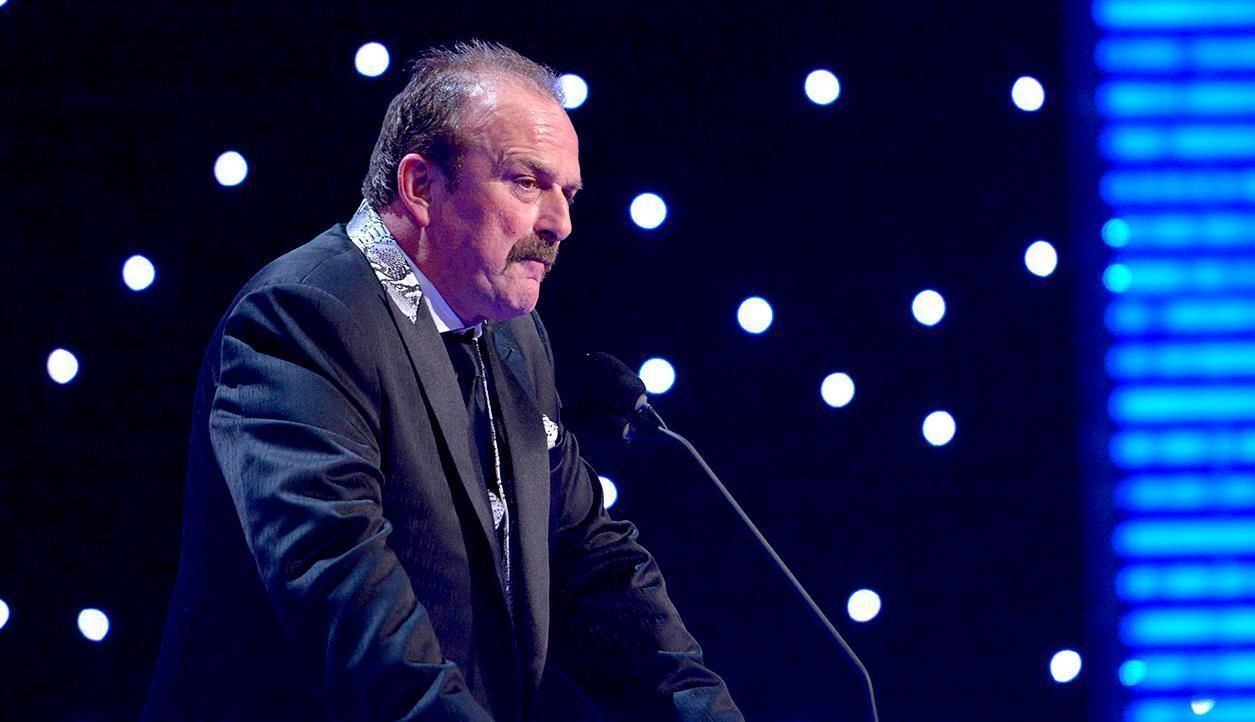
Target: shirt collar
point(441, 312)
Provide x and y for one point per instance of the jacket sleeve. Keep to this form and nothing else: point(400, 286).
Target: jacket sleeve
point(616, 633)
point(294, 426)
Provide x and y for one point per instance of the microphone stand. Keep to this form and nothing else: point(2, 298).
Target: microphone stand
point(655, 423)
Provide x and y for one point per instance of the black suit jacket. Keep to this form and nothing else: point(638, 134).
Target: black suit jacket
point(338, 559)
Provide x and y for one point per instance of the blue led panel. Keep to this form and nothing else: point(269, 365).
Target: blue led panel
point(1175, 91)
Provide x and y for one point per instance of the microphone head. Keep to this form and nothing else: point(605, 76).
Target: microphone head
point(603, 397)
point(603, 381)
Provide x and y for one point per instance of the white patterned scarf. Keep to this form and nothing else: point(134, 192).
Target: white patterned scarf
point(392, 268)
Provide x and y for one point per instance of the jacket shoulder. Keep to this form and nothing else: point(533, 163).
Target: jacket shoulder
point(330, 263)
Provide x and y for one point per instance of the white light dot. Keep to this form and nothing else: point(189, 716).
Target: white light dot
point(138, 273)
point(1041, 258)
point(863, 606)
point(755, 314)
point(822, 87)
point(93, 624)
point(1117, 278)
point(62, 366)
point(2, 2)
point(648, 211)
point(928, 307)
point(1132, 672)
point(1065, 665)
point(371, 60)
point(574, 90)
point(837, 390)
point(609, 493)
point(1202, 706)
point(230, 169)
point(658, 375)
point(939, 428)
point(1027, 94)
point(1116, 233)
point(4, 608)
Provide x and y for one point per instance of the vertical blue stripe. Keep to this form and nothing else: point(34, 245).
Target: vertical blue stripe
point(1177, 99)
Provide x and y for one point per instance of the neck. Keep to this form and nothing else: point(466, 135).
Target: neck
point(412, 241)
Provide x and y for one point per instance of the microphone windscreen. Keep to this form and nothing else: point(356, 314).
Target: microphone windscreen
point(603, 381)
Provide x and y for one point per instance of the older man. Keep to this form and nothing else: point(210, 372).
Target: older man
point(385, 518)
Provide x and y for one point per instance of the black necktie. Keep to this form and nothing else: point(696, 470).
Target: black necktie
point(468, 361)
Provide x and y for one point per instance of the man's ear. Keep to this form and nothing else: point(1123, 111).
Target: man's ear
point(416, 179)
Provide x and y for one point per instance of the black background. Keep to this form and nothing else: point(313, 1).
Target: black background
point(922, 175)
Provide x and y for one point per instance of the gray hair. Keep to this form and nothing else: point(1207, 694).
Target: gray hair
point(426, 117)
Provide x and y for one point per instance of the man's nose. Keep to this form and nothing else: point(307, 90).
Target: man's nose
point(554, 222)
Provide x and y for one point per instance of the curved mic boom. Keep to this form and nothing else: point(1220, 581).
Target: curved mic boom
point(610, 396)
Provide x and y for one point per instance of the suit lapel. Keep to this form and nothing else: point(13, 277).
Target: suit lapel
point(403, 296)
point(529, 462)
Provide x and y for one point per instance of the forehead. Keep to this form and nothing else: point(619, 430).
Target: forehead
point(505, 120)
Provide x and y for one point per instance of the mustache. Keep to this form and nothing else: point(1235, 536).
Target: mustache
point(534, 248)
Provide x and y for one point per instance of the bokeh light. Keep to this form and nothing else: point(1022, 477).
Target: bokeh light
point(372, 60)
point(1065, 666)
point(1116, 233)
point(574, 90)
point(863, 605)
point(928, 307)
point(4, 613)
point(1041, 258)
point(230, 169)
point(648, 211)
point(755, 315)
point(1132, 672)
point(1028, 94)
point(837, 389)
point(609, 492)
point(62, 366)
point(1202, 705)
point(822, 87)
point(658, 375)
point(1117, 278)
point(939, 428)
point(93, 624)
point(138, 273)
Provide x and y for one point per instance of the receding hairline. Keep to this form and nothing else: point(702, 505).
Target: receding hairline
point(436, 111)
point(472, 105)
point(480, 107)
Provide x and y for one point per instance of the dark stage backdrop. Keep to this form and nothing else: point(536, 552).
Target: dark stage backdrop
point(922, 175)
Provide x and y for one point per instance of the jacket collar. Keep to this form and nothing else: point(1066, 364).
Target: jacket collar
point(390, 264)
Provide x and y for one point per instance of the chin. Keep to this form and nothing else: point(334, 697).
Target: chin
point(509, 310)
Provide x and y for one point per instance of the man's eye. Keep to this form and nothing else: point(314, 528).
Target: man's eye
point(527, 183)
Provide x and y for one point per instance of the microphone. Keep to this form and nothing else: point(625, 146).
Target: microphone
point(610, 400)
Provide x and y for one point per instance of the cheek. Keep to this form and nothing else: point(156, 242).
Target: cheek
point(515, 223)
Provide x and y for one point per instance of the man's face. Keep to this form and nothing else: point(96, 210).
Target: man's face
point(494, 230)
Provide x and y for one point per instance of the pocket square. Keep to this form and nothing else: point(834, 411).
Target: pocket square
point(551, 431)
